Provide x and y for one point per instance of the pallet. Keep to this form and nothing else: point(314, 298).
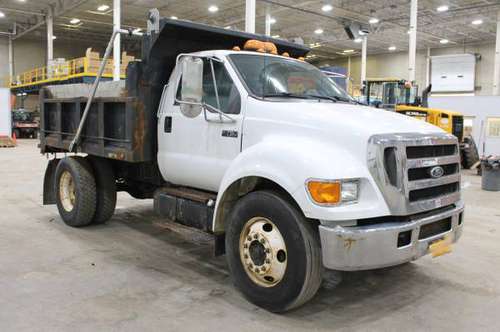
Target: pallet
point(6, 142)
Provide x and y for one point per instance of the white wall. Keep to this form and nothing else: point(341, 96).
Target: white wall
point(5, 116)
point(479, 107)
point(396, 65)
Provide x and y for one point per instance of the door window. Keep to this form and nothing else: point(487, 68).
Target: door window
point(229, 96)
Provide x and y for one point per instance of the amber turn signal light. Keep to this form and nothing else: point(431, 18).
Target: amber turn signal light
point(325, 192)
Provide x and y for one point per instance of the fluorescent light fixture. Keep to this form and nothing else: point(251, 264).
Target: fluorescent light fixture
point(174, 17)
point(276, 36)
point(103, 8)
point(392, 48)
point(444, 41)
point(213, 9)
point(358, 40)
point(327, 8)
point(477, 22)
point(318, 31)
point(74, 21)
point(315, 45)
point(227, 27)
point(442, 8)
point(2, 14)
point(54, 37)
point(373, 20)
point(272, 20)
point(348, 51)
point(137, 31)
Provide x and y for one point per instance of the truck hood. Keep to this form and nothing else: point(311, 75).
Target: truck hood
point(344, 124)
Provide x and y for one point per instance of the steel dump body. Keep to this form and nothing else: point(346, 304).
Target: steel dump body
point(121, 124)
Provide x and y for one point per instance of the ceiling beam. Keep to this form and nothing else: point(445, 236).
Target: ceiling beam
point(59, 8)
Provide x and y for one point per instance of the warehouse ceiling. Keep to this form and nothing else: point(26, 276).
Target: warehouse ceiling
point(304, 19)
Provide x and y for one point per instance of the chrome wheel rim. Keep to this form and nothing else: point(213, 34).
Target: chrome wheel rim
point(263, 252)
point(67, 191)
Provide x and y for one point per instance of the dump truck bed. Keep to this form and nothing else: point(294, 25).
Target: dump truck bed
point(115, 127)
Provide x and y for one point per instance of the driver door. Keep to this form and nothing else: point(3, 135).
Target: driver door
point(195, 150)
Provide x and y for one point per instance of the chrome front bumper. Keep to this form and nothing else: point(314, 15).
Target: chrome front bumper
point(375, 246)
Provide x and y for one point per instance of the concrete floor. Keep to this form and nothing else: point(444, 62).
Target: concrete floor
point(137, 274)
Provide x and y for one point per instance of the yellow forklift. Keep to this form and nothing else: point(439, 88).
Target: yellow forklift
point(402, 96)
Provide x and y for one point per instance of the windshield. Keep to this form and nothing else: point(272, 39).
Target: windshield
point(22, 116)
point(268, 76)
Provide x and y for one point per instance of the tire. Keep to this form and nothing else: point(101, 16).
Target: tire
point(302, 275)
point(75, 181)
point(17, 132)
point(469, 153)
point(105, 189)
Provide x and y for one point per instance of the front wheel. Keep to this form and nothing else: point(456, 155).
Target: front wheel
point(273, 252)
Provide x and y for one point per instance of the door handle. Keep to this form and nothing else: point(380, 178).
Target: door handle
point(168, 124)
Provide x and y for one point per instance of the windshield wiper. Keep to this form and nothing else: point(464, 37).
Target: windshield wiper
point(337, 98)
point(331, 98)
point(286, 95)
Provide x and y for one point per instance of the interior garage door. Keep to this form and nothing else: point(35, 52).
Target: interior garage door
point(453, 73)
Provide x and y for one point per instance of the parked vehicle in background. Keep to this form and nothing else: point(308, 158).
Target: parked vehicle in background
point(24, 124)
point(263, 151)
point(403, 97)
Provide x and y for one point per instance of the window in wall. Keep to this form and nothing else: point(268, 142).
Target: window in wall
point(494, 127)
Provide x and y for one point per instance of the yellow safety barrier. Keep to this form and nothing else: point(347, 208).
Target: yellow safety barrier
point(76, 68)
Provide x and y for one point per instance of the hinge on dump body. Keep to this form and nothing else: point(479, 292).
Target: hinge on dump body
point(154, 21)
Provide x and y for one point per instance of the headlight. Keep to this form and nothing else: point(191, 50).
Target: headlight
point(333, 192)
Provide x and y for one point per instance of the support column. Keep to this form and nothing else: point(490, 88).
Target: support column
point(11, 59)
point(496, 70)
point(250, 16)
point(428, 68)
point(268, 24)
point(364, 47)
point(412, 54)
point(50, 35)
point(117, 12)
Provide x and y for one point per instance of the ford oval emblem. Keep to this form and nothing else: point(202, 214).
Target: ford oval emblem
point(436, 172)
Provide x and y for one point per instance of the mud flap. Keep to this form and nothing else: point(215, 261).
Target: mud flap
point(49, 196)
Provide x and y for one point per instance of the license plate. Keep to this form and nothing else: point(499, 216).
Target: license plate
point(440, 247)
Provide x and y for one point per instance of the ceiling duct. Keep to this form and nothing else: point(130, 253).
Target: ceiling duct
point(355, 30)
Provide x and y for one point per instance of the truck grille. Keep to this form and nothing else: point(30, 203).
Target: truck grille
point(416, 172)
point(458, 127)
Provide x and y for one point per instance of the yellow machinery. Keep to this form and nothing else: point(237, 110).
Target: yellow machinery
point(402, 97)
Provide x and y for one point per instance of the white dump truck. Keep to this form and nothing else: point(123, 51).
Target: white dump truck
point(262, 150)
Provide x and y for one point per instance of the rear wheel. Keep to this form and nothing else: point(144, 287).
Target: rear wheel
point(105, 190)
point(75, 191)
point(469, 153)
point(273, 252)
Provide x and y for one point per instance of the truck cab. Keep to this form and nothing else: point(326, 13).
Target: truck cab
point(266, 153)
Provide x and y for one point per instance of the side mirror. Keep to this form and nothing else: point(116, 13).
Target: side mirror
point(191, 86)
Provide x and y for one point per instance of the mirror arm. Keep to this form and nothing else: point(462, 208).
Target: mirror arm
point(205, 107)
point(221, 114)
point(215, 86)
